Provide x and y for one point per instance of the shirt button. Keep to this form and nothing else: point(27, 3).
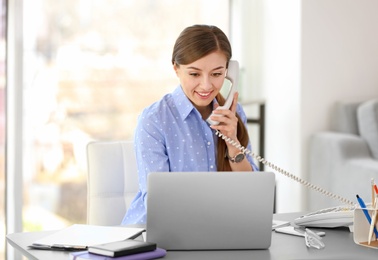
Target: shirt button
point(208, 143)
point(211, 166)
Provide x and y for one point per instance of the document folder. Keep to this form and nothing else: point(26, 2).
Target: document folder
point(80, 236)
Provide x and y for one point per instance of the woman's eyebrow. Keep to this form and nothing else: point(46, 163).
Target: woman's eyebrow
point(194, 68)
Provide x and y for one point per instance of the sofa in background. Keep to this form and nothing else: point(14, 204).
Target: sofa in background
point(345, 159)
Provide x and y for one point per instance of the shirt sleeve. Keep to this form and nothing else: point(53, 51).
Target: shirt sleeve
point(150, 151)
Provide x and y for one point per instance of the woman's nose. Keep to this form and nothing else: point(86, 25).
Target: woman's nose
point(206, 83)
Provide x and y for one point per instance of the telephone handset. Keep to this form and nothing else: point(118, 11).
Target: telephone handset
point(232, 75)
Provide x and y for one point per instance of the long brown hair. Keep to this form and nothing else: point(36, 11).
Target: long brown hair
point(198, 41)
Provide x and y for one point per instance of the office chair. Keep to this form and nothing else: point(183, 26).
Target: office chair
point(112, 181)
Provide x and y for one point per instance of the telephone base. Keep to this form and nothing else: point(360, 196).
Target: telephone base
point(349, 226)
point(341, 216)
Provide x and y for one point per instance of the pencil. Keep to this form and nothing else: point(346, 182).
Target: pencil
point(372, 192)
point(372, 224)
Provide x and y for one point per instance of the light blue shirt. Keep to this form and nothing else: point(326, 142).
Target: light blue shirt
point(171, 136)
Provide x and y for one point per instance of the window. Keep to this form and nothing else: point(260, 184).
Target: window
point(2, 124)
point(89, 68)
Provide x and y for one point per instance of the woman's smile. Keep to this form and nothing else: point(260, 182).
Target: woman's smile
point(204, 95)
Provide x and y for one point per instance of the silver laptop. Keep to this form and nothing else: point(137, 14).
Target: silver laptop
point(210, 210)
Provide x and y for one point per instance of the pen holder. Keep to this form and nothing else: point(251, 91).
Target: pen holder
point(362, 227)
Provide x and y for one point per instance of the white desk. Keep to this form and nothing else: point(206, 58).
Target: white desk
point(339, 245)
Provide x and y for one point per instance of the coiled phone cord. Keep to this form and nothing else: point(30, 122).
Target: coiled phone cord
point(282, 171)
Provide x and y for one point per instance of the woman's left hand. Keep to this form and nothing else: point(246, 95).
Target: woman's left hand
point(227, 119)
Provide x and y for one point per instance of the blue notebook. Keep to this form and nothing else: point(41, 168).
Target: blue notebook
point(158, 253)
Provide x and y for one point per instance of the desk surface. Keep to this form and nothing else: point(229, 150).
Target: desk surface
point(339, 245)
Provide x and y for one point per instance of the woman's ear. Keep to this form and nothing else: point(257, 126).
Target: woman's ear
point(176, 68)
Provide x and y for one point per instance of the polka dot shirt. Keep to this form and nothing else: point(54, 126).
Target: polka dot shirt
point(171, 136)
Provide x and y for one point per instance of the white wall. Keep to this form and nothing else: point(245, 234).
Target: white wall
point(339, 59)
point(313, 53)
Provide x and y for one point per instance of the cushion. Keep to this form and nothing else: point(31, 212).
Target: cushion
point(344, 117)
point(367, 116)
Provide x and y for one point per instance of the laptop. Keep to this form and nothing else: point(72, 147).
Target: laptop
point(210, 210)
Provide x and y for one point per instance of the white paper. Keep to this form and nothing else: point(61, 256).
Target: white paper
point(87, 235)
point(279, 223)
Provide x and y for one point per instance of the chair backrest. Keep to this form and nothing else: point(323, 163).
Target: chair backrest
point(112, 181)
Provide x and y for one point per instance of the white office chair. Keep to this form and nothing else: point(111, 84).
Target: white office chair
point(112, 181)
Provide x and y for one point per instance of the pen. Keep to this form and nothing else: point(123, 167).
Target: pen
point(67, 247)
point(376, 188)
point(57, 247)
point(372, 224)
point(363, 207)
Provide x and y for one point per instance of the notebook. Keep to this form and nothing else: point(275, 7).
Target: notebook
point(158, 253)
point(210, 210)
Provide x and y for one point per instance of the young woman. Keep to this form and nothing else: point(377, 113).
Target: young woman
point(173, 135)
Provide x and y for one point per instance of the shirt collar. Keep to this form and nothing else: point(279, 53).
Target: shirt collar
point(182, 102)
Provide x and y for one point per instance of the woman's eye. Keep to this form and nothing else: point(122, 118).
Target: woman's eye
point(217, 74)
point(194, 74)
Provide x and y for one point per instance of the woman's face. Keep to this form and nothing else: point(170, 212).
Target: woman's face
point(203, 79)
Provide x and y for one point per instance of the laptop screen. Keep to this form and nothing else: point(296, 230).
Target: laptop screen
point(210, 210)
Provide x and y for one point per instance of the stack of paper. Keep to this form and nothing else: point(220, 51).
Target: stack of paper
point(80, 236)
